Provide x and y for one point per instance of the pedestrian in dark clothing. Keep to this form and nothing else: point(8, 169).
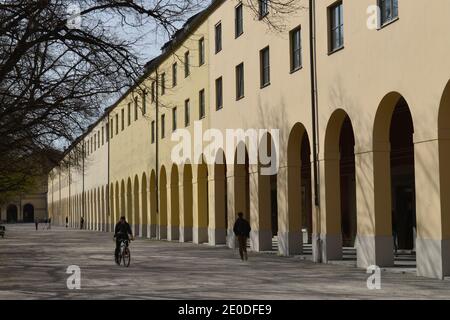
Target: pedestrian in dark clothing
point(67, 222)
point(49, 223)
point(81, 223)
point(36, 222)
point(242, 231)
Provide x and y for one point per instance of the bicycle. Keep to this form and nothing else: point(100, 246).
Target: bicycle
point(124, 254)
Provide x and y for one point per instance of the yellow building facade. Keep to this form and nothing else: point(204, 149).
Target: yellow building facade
point(359, 99)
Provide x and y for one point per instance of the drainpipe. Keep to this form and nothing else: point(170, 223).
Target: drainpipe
point(314, 113)
point(109, 225)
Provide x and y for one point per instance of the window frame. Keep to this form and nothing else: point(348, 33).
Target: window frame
point(219, 106)
point(263, 68)
point(163, 126)
point(262, 14)
point(201, 104)
point(293, 50)
point(187, 67)
point(163, 83)
point(174, 74)
point(331, 28)
point(201, 50)
point(240, 81)
point(174, 119)
point(238, 9)
point(218, 37)
point(383, 23)
point(187, 113)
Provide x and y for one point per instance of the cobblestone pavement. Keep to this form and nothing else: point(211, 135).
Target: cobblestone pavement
point(33, 265)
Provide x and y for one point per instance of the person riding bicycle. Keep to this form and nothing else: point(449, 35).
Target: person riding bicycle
point(122, 232)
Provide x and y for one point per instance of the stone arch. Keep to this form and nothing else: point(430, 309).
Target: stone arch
point(129, 202)
point(144, 206)
point(187, 218)
point(201, 216)
point(174, 217)
point(394, 177)
point(162, 219)
point(153, 205)
point(11, 213)
point(218, 204)
point(339, 225)
point(137, 222)
point(28, 213)
point(299, 193)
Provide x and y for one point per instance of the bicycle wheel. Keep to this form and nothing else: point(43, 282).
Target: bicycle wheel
point(126, 257)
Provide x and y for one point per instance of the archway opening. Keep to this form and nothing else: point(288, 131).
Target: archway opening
point(403, 181)
point(153, 206)
point(188, 215)
point(162, 219)
point(28, 213)
point(11, 214)
point(202, 220)
point(145, 226)
point(347, 184)
point(174, 225)
point(136, 207)
point(220, 198)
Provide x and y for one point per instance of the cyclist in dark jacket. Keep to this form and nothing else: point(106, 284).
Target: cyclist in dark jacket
point(242, 231)
point(122, 231)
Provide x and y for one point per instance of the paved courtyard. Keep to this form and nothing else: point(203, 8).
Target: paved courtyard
point(33, 266)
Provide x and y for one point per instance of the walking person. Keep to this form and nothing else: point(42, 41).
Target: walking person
point(81, 223)
point(67, 222)
point(242, 231)
point(36, 223)
point(49, 226)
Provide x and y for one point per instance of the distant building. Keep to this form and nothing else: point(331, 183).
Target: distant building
point(26, 207)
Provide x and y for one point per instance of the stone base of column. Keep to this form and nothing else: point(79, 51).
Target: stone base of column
point(217, 236)
point(433, 258)
point(162, 232)
point(152, 230)
point(135, 228)
point(375, 250)
point(173, 233)
point(290, 243)
point(200, 235)
point(144, 231)
point(261, 240)
point(231, 239)
point(185, 234)
point(327, 247)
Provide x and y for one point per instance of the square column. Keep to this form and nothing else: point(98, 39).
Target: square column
point(260, 211)
point(217, 214)
point(290, 241)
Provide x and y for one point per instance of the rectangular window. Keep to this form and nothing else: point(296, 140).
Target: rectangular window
point(389, 10)
point(98, 139)
point(265, 66)
point(187, 113)
point(129, 113)
point(153, 131)
point(296, 49)
point(144, 102)
point(174, 75)
point(95, 142)
point(107, 132)
point(174, 119)
point(136, 107)
point(187, 70)
point(336, 22)
point(163, 84)
point(201, 50)
point(163, 126)
point(123, 119)
point(240, 81)
point(201, 104)
point(219, 94)
point(117, 124)
point(239, 21)
point(218, 37)
point(112, 128)
point(103, 136)
point(153, 91)
point(263, 8)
